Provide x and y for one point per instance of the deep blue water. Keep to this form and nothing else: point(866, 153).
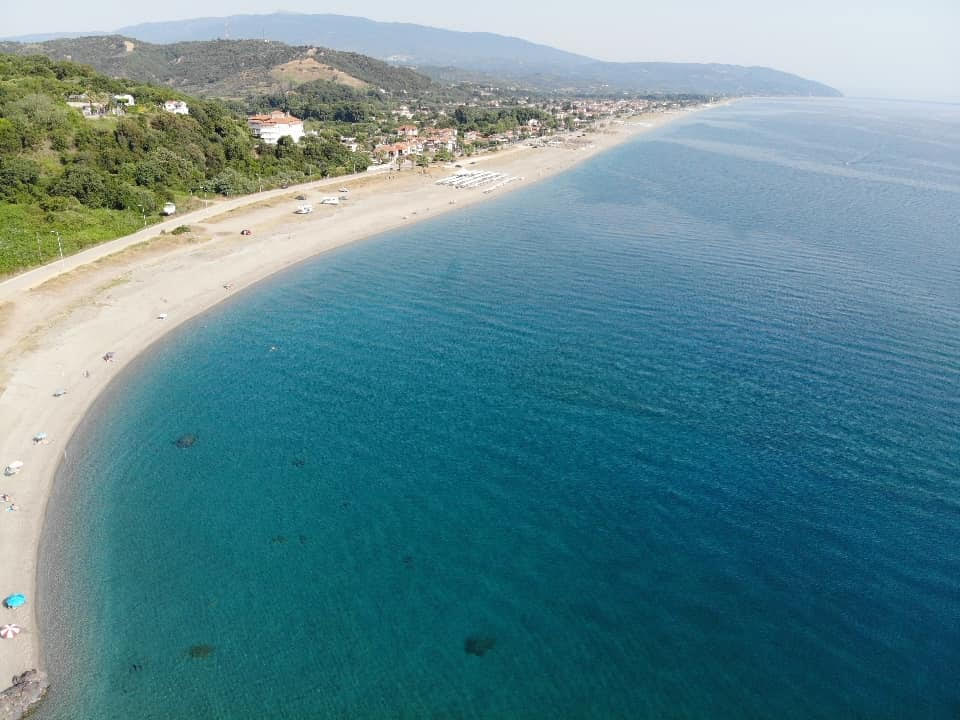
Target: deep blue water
point(677, 431)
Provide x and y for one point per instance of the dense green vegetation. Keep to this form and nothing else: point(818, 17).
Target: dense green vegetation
point(324, 101)
point(497, 120)
point(90, 179)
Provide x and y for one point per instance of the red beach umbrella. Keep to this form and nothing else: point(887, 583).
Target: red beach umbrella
point(8, 632)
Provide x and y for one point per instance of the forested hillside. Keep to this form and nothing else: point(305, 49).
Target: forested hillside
point(94, 178)
point(226, 68)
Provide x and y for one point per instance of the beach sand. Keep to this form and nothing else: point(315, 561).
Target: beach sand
point(58, 321)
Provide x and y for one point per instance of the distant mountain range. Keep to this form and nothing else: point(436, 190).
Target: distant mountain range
point(448, 54)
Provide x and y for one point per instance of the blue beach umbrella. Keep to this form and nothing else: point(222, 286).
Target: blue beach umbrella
point(15, 601)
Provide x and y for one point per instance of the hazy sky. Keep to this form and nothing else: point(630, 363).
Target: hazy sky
point(894, 48)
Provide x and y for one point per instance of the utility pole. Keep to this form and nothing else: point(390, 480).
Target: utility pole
point(39, 254)
point(143, 213)
point(59, 244)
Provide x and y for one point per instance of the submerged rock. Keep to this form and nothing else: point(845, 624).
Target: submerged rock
point(478, 644)
point(185, 441)
point(200, 651)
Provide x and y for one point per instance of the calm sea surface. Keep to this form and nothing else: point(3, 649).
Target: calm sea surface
point(673, 435)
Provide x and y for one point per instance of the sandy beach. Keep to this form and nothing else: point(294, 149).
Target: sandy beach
point(57, 322)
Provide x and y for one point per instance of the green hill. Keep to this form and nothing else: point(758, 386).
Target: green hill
point(95, 178)
point(226, 68)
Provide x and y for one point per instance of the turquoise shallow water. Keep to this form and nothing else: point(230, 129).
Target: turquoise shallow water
point(676, 432)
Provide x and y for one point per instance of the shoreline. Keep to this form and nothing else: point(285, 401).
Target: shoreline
point(57, 321)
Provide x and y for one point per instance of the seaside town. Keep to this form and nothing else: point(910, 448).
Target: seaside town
point(424, 134)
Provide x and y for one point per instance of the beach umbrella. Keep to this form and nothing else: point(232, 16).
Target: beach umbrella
point(39, 437)
point(15, 601)
point(8, 632)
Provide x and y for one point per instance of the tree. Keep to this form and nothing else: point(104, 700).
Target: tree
point(285, 148)
point(10, 140)
point(86, 184)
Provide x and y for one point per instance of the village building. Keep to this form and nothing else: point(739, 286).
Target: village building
point(125, 99)
point(408, 131)
point(350, 143)
point(400, 149)
point(177, 107)
point(270, 128)
point(445, 139)
point(93, 109)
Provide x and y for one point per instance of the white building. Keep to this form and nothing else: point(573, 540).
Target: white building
point(124, 99)
point(177, 107)
point(270, 128)
point(350, 143)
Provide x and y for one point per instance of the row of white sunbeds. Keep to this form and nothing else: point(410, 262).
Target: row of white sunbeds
point(475, 178)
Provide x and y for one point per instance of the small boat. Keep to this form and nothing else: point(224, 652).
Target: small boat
point(162, 316)
point(303, 210)
point(332, 200)
point(13, 468)
point(343, 190)
point(39, 437)
point(59, 392)
point(108, 357)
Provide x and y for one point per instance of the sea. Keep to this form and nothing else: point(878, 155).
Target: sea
point(675, 434)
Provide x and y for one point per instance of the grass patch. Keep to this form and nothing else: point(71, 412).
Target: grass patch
point(27, 238)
